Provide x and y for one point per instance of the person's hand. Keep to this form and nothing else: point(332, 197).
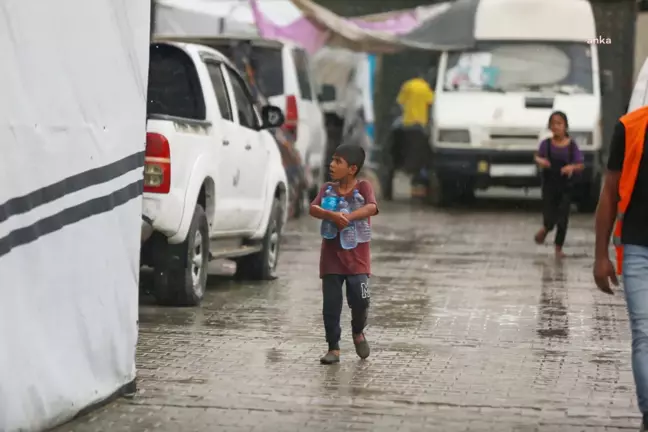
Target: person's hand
point(604, 273)
point(340, 220)
point(543, 163)
point(567, 170)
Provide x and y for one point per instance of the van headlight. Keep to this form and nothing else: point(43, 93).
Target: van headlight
point(583, 139)
point(454, 136)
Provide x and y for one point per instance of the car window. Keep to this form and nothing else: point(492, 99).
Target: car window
point(173, 84)
point(303, 74)
point(218, 82)
point(266, 62)
point(244, 105)
point(268, 68)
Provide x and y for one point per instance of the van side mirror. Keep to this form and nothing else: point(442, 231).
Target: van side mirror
point(328, 93)
point(607, 81)
point(271, 117)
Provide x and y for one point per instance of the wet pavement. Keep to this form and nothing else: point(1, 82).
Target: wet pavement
point(473, 328)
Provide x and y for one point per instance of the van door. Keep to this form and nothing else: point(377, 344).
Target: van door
point(255, 157)
point(310, 112)
point(228, 155)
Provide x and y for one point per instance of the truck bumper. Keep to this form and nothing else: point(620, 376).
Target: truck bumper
point(484, 168)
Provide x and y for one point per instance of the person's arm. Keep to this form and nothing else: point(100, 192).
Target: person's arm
point(319, 213)
point(315, 207)
point(371, 206)
point(540, 157)
point(609, 198)
point(579, 160)
point(316, 211)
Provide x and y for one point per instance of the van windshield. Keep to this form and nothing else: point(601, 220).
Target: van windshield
point(520, 66)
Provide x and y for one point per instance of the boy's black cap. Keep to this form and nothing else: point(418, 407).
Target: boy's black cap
point(352, 154)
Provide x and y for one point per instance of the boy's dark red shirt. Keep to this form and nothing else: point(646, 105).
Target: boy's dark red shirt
point(334, 259)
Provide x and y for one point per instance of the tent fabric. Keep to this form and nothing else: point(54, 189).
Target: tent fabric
point(453, 27)
point(72, 128)
point(377, 34)
point(313, 26)
point(177, 19)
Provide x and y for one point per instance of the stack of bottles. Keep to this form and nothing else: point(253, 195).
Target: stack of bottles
point(356, 232)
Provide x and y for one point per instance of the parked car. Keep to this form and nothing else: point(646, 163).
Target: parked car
point(284, 77)
point(298, 192)
point(214, 183)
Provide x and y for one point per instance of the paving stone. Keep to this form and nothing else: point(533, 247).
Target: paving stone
point(473, 328)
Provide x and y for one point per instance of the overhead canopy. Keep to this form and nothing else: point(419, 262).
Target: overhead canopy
point(380, 33)
point(453, 27)
point(187, 18)
point(441, 26)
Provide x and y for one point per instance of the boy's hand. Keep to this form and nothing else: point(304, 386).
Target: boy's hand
point(340, 220)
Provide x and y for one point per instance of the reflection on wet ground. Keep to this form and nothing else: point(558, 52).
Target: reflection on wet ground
point(473, 327)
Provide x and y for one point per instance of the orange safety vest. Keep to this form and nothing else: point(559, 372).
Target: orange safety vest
point(635, 124)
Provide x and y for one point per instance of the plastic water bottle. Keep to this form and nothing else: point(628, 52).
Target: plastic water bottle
point(328, 230)
point(348, 238)
point(362, 227)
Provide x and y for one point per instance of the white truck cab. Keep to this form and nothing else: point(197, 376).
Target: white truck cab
point(493, 101)
point(214, 182)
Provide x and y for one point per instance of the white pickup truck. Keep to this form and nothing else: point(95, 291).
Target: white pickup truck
point(214, 183)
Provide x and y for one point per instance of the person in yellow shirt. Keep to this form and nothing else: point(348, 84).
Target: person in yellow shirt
point(413, 147)
point(416, 98)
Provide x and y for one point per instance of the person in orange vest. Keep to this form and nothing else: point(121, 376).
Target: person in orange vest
point(624, 199)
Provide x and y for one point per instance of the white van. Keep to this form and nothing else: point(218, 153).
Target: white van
point(284, 76)
point(493, 101)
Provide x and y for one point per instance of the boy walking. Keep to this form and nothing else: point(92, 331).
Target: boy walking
point(345, 267)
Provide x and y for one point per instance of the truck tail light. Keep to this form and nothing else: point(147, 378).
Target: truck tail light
point(157, 164)
point(292, 117)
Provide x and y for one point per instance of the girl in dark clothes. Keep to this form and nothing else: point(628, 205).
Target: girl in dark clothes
point(560, 160)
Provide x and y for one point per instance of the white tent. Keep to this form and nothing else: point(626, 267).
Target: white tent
point(72, 132)
point(214, 17)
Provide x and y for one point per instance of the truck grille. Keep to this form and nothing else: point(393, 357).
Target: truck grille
point(512, 137)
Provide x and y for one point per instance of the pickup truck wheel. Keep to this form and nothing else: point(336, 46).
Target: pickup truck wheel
point(183, 279)
point(263, 265)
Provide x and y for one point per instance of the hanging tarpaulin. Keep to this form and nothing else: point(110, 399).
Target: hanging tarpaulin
point(381, 33)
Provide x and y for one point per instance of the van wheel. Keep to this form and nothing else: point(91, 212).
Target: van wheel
point(263, 264)
point(181, 279)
